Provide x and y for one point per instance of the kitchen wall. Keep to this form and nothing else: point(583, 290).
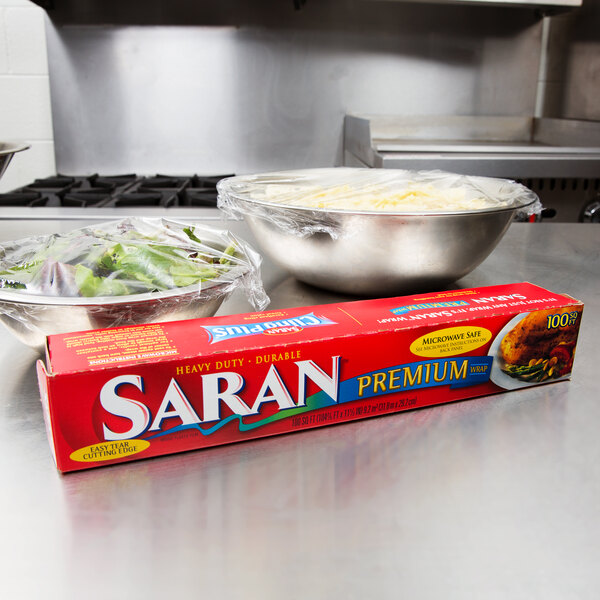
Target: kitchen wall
point(152, 86)
point(240, 87)
point(25, 113)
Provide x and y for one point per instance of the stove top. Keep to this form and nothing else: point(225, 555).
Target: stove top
point(113, 191)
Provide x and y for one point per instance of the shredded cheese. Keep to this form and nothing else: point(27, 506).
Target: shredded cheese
point(414, 197)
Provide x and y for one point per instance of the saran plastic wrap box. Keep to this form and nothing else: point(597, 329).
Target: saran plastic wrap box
point(126, 393)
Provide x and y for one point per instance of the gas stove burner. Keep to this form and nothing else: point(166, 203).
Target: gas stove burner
point(164, 181)
point(204, 196)
point(114, 191)
point(59, 181)
point(22, 199)
point(91, 197)
point(208, 182)
point(111, 180)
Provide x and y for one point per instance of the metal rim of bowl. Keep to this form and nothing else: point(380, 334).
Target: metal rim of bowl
point(13, 147)
point(385, 213)
point(7, 295)
point(224, 186)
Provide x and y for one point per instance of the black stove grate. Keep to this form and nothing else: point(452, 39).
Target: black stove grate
point(113, 191)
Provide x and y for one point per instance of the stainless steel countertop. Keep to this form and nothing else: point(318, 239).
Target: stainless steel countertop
point(497, 497)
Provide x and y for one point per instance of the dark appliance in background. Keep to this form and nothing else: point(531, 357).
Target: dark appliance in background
point(567, 199)
point(114, 191)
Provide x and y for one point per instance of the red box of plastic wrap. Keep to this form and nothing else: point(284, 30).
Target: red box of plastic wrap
point(126, 393)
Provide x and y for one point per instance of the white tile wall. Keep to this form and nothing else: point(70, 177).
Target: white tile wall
point(25, 112)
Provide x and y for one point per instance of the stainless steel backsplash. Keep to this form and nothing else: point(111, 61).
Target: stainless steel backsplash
point(151, 95)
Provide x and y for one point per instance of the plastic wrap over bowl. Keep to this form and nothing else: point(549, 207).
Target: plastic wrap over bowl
point(376, 232)
point(125, 272)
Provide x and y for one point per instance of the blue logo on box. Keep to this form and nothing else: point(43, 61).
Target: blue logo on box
point(428, 305)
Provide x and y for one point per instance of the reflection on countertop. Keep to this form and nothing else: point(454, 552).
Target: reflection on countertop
point(490, 497)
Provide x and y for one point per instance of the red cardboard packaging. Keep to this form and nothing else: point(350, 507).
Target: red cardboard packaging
point(126, 393)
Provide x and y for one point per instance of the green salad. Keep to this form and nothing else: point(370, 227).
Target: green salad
point(126, 257)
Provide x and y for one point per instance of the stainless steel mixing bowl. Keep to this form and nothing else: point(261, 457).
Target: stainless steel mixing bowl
point(380, 255)
point(371, 253)
point(32, 320)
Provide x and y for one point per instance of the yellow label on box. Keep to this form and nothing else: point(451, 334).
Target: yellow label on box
point(450, 341)
point(109, 450)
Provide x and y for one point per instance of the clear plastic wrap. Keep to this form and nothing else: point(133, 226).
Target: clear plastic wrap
point(309, 201)
point(130, 271)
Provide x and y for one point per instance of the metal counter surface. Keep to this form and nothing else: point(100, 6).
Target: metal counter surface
point(497, 497)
